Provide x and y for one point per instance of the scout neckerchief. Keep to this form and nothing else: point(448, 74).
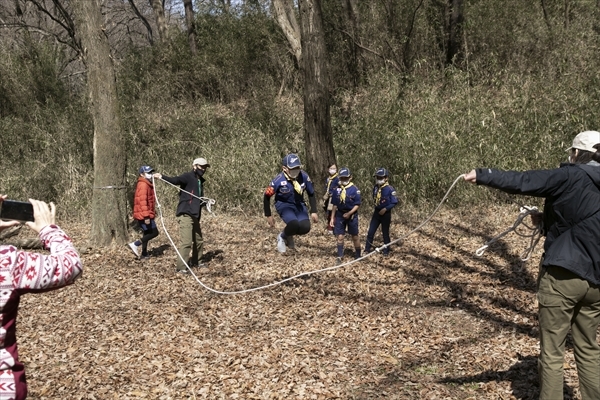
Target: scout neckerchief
point(378, 196)
point(343, 194)
point(297, 186)
point(329, 180)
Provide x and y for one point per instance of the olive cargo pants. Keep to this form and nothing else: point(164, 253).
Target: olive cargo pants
point(568, 301)
point(190, 235)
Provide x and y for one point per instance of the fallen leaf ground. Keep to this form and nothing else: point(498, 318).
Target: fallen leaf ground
point(431, 321)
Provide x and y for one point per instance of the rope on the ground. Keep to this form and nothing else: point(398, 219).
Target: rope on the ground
point(534, 235)
point(377, 250)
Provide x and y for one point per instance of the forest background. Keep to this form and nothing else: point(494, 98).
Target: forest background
point(426, 88)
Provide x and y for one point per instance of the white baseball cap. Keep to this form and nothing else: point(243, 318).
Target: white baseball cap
point(201, 161)
point(586, 141)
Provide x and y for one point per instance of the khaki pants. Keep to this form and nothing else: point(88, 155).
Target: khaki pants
point(567, 301)
point(190, 235)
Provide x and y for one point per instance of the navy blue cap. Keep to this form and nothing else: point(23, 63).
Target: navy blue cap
point(381, 172)
point(146, 169)
point(291, 161)
point(344, 173)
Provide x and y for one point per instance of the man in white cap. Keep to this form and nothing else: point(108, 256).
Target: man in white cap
point(188, 214)
point(568, 285)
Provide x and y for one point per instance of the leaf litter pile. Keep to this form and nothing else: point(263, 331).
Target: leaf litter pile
point(431, 321)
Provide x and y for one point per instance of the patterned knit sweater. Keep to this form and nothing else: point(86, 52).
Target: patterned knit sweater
point(22, 272)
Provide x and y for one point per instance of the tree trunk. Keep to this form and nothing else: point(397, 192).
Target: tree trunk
point(161, 21)
point(191, 26)
point(455, 32)
point(286, 19)
point(351, 19)
point(317, 120)
point(109, 204)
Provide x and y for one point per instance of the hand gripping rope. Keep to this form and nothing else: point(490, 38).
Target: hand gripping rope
point(377, 250)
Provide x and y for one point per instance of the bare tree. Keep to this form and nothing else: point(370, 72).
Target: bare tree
point(456, 20)
point(317, 119)
point(161, 21)
point(143, 19)
point(191, 26)
point(109, 204)
point(287, 21)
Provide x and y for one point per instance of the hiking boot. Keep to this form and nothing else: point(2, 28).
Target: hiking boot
point(134, 248)
point(280, 244)
point(289, 241)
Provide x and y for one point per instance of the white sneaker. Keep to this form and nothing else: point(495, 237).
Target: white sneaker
point(134, 248)
point(280, 244)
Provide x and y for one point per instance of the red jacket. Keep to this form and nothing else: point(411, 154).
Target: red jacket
point(143, 201)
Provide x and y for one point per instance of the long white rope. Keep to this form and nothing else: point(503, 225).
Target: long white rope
point(377, 250)
point(535, 233)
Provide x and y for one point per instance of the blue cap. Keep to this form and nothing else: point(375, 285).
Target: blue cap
point(291, 161)
point(145, 169)
point(381, 172)
point(344, 173)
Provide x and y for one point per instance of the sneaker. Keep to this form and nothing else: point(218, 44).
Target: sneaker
point(144, 257)
point(280, 244)
point(289, 241)
point(134, 248)
point(201, 265)
point(182, 271)
point(338, 261)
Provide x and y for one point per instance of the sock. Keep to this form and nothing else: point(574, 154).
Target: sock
point(137, 242)
point(340, 250)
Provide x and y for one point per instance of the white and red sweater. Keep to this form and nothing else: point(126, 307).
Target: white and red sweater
point(22, 272)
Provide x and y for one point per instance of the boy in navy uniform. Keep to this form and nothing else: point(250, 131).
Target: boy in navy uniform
point(344, 216)
point(288, 187)
point(385, 199)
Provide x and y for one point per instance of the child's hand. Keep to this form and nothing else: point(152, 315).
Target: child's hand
point(315, 217)
point(271, 221)
point(382, 211)
point(147, 221)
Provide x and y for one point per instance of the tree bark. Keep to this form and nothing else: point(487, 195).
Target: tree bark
point(317, 119)
point(191, 26)
point(109, 204)
point(454, 48)
point(286, 19)
point(161, 21)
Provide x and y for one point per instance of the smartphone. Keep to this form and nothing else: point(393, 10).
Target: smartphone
point(16, 210)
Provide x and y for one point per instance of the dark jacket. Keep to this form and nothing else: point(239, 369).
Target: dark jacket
point(571, 220)
point(189, 182)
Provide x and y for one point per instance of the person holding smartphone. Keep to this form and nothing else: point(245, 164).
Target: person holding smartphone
point(25, 272)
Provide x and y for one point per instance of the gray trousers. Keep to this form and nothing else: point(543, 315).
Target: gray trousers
point(567, 301)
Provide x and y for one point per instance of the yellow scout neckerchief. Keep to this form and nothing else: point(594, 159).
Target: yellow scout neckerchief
point(329, 180)
point(343, 194)
point(378, 196)
point(297, 186)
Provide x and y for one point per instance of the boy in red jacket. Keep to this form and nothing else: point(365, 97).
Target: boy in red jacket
point(143, 211)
